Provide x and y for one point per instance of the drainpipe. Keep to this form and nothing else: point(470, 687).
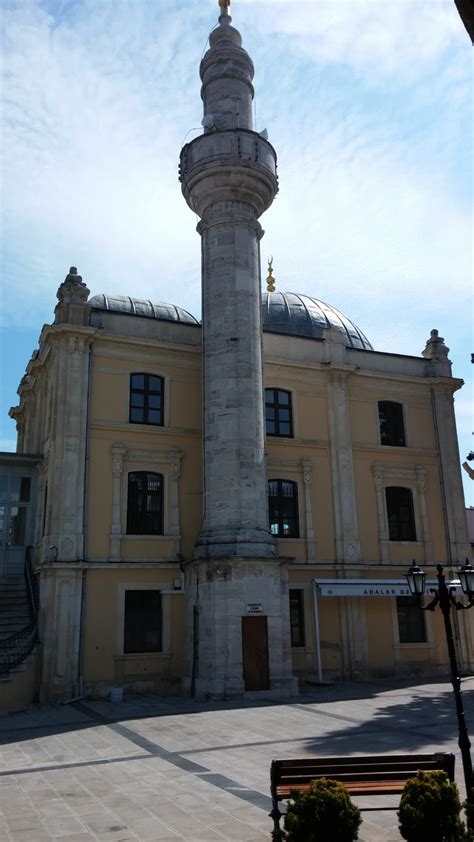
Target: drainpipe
point(194, 666)
point(317, 637)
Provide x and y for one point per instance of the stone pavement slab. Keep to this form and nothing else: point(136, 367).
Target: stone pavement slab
point(167, 769)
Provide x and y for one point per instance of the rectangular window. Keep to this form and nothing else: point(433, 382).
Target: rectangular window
point(411, 620)
point(143, 622)
point(392, 430)
point(145, 503)
point(16, 537)
point(297, 617)
point(146, 399)
point(283, 508)
point(4, 488)
point(15, 489)
point(400, 513)
point(278, 415)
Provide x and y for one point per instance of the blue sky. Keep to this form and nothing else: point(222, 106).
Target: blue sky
point(368, 104)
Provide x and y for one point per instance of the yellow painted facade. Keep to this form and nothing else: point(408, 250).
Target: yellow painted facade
point(357, 637)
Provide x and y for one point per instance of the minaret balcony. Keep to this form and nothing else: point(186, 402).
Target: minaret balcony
point(230, 165)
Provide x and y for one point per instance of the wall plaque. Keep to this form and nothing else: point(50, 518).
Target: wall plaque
point(254, 608)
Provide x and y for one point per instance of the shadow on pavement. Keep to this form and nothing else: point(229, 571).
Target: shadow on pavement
point(421, 719)
point(409, 725)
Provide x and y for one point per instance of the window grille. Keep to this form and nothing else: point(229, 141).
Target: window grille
point(283, 508)
point(145, 504)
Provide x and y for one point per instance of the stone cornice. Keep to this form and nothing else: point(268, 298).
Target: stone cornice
point(145, 429)
point(277, 442)
point(451, 384)
point(148, 342)
point(313, 366)
point(63, 329)
point(165, 456)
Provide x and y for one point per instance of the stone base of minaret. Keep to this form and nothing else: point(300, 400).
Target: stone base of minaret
point(238, 637)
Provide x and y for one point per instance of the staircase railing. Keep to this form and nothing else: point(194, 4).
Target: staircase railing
point(17, 647)
point(31, 582)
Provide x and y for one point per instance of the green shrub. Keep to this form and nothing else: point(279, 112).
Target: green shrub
point(430, 809)
point(325, 812)
point(469, 813)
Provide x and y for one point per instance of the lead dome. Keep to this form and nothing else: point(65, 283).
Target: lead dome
point(301, 315)
point(282, 312)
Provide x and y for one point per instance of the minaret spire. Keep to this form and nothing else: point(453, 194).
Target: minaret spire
point(224, 7)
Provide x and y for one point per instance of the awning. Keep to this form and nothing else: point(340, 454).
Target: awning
point(374, 587)
point(364, 588)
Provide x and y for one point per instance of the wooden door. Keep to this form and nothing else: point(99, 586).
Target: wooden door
point(255, 653)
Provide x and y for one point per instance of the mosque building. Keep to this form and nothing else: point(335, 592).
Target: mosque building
point(226, 507)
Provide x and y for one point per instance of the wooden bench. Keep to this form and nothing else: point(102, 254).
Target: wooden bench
point(370, 775)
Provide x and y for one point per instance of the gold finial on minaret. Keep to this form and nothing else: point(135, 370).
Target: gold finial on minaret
point(224, 7)
point(270, 279)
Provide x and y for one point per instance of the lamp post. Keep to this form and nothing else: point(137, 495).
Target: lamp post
point(444, 596)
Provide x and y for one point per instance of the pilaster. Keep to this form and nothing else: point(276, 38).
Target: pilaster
point(118, 453)
point(425, 529)
point(307, 471)
point(66, 481)
point(60, 601)
point(345, 505)
point(457, 540)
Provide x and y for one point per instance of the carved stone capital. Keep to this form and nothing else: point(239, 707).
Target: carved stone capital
point(307, 467)
point(118, 453)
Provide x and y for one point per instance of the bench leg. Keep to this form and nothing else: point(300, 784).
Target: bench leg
point(275, 815)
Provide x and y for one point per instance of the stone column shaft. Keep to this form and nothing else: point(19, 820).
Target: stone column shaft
point(235, 493)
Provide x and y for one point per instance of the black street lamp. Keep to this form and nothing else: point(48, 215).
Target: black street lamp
point(444, 596)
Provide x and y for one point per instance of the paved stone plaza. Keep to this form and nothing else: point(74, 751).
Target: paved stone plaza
point(152, 769)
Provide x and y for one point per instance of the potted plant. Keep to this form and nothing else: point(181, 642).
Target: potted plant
point(430, 809)
point(322, 813)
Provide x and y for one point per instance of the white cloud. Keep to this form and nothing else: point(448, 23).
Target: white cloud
point(91, 141)
point(368, 222)
point(389, 36)
point(99, 97)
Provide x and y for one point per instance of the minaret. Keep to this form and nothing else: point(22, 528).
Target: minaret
point(229, 179)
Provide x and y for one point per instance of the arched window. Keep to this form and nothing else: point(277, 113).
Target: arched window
point(146, 399)
point(283, 508)
point(145, 504)
point(278, 414)
point(400, 513)
point(392, 429)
